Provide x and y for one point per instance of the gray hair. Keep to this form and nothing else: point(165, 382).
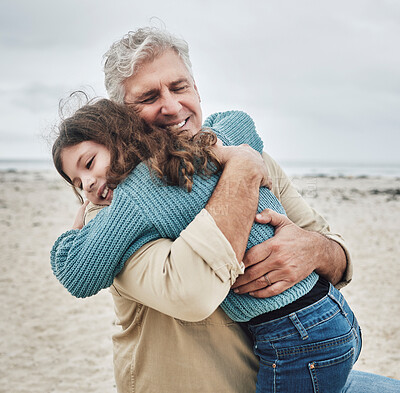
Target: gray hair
point(124, 57)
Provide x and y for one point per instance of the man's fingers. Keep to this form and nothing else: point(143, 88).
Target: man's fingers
point(269, 216)
point(256, 254)
point(260, 282)
point(272, 290)
point(256, 267)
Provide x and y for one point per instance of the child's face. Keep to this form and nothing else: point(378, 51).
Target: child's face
point(86, 164)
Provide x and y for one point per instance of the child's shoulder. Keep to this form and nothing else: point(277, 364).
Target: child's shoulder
point(227, 117)
point(234, 128)
point(138, 180)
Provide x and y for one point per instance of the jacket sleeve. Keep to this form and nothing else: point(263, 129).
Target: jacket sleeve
point(87, 260)
point(186, 278)
point(298, 210)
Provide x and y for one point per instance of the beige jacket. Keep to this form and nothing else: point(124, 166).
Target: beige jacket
point(172, 340)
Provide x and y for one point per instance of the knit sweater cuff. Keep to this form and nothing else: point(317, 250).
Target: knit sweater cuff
point(213, 248)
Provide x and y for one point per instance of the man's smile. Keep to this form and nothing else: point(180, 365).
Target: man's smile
point(177, 126)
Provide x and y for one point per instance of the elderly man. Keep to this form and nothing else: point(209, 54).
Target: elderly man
point(164, 296)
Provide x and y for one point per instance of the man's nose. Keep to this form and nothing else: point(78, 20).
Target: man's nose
point(170, 104)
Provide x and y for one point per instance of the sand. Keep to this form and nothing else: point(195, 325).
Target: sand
point(53, 342)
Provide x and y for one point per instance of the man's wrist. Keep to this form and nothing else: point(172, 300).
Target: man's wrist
point(331, 259)
point(233, 204)
point(243, 173)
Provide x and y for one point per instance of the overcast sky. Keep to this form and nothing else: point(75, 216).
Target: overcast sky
point(320, 78)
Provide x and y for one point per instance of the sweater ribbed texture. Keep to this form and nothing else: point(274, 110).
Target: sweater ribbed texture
point(144, 209)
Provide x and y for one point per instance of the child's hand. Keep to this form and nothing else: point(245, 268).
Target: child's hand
point(79, 223)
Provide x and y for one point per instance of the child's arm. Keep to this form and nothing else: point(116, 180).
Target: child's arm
point(87, 260)
point(186, 278)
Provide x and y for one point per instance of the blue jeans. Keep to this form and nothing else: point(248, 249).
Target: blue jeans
point(360, 382)
point(310, 350)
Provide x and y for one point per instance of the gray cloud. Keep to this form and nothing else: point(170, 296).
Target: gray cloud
point(34, 98)
point(320, 78)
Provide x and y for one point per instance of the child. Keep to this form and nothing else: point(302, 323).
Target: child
point(156, 181)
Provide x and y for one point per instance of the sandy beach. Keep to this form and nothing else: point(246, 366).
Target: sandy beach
point(53, 342)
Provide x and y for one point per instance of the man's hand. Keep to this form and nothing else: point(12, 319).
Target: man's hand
point(249, 162)
point(282, 261)
point(79, 219)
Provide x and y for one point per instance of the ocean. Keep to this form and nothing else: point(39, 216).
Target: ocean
point(343, 169)
point(292, 168)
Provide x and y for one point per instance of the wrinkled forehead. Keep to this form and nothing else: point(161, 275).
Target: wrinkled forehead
point(164, 69)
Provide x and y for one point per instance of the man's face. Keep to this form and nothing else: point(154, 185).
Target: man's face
point(164, 94)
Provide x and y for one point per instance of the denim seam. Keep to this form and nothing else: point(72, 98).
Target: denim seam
point(340, 302)
point(282, 353)
point(314, 379)
point(339, 360)
point(323, 320)
point(271, 364)
point(296, 332)
point(313, 370)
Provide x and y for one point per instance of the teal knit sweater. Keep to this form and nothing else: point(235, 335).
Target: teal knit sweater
point(144, 209)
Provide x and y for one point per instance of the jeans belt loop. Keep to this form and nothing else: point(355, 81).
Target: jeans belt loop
point(339, 301)
point(299, 327)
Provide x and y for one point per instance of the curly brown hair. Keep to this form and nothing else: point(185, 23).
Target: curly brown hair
point(172, 156)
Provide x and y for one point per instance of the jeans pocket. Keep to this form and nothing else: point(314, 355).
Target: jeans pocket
point(330, 376)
